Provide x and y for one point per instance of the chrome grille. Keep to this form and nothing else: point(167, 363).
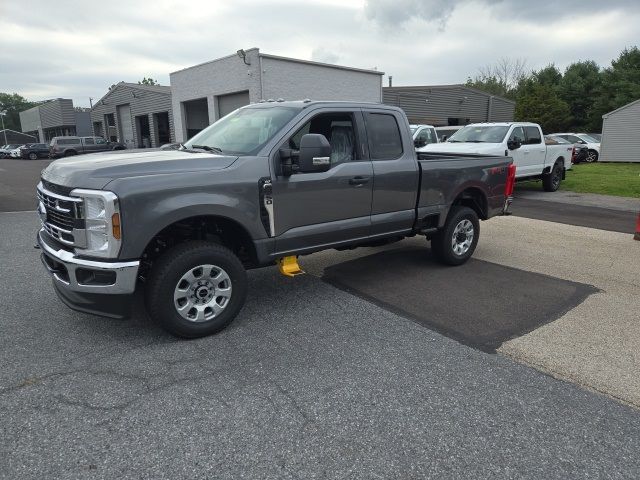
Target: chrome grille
point(59, 215)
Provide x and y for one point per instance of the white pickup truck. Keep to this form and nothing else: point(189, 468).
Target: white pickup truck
point(522, 141)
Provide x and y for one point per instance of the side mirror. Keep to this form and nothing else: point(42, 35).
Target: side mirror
point(514, 144)
point(315, 153)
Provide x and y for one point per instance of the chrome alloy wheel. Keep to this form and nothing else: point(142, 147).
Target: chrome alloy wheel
point(202, 293)
point(462, 237)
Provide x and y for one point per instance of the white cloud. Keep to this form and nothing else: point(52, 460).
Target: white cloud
point(418, 42)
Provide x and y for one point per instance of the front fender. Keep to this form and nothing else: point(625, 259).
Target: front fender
point(151, 203)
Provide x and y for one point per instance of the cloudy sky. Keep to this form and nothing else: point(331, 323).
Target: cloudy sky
point(76, 49)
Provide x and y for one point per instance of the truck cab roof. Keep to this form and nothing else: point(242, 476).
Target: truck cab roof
point(303, 104)
point(504, 124)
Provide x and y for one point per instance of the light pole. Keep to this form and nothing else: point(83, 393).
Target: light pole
point(93, 133)
point(2, 114)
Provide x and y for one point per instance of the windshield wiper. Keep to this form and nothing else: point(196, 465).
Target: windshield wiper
point(207, 148)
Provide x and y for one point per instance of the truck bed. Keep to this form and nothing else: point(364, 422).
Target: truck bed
point(443, 176)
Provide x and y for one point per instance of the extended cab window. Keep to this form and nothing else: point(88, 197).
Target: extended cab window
point(338, 128)
point(385, 141)
point(533, 135)
point(89, 141)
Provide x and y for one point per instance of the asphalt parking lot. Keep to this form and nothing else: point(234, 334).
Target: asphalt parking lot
point(377, 364)
point(309, 382)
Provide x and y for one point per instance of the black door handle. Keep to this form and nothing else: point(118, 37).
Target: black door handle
point(357, 181)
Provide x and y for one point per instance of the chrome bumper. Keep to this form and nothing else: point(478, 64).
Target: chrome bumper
point(64, 266)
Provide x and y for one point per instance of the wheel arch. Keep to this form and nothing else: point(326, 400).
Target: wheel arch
point(209, 227)
point(473, 197)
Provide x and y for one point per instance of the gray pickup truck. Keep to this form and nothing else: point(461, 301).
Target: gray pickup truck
point(259, 187)
point(69, 146)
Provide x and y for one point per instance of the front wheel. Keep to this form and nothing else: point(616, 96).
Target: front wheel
point(592, 156)
point(33, 156)
point(456, 242)
point(551, 181)
point(196, 289)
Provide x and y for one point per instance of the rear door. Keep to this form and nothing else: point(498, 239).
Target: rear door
point(89, 144)
point(395, 171)
point(323, 208)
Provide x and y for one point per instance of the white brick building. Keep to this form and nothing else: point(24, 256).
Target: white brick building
point(203, 93)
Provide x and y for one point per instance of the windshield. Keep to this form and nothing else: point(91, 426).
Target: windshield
point(244, 131)
point(480, 134)
point(588, 139)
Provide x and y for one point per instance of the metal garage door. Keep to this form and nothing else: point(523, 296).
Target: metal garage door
point(125, 125)
point(229, 103)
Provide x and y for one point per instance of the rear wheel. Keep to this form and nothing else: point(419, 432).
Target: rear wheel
point(196, 289)
point(456, 242)
point(592, 156)
point(551, 181)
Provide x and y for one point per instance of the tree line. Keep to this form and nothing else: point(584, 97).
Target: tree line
point(573, 100)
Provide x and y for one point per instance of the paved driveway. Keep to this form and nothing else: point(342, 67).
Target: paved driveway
point(309, 382)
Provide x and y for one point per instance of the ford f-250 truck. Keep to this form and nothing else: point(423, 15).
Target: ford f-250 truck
point(522, 141)
point(261, 186)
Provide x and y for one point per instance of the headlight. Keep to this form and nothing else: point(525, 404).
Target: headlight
point(101, 214)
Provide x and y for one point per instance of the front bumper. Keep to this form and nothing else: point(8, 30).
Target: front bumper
point(101, 288)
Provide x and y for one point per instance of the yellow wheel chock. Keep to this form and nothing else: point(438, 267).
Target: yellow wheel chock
point(289, 266)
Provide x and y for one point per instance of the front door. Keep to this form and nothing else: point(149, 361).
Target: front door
point(521, 156)
point(323, 208)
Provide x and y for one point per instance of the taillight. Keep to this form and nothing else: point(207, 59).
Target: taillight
point(511, 180)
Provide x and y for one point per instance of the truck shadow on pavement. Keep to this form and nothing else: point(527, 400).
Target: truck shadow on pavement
point(479, 304)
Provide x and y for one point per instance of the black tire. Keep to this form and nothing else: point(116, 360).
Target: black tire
point(442, 245)
point(551, 181)
point(592, 156)
point(33, 156)
point(168, 271)
point(69, 153)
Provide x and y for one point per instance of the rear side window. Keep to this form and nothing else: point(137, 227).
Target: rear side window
point(533, 135)
point(67, 141)
point(385, 141)
point(89, 141)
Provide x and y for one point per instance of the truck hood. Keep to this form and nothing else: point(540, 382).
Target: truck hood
point(98, 169)
point(479, 148)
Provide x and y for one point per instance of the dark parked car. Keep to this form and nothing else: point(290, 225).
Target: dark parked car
point(580, 151)
point(33, 151)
